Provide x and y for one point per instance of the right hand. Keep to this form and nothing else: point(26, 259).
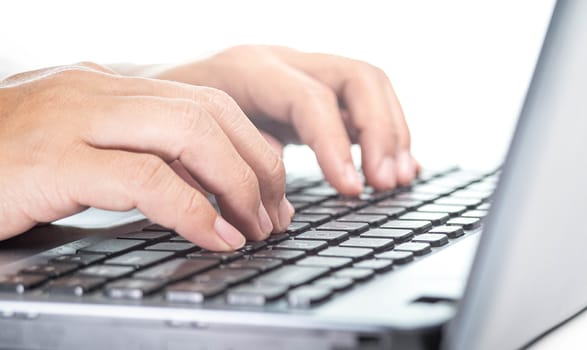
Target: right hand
point(78, 136)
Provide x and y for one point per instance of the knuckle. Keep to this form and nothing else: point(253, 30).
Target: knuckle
point(317, 93)
point(276, 172)
point(149, 172)
point(367, 72)
point(247, 180)
point(192, 205)
point(191, 117)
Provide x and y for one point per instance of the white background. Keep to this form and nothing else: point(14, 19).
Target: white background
point(460, 68)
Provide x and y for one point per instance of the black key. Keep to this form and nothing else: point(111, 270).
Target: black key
point(74, 285)
point(300, 205)
point(398, 235)
point(389, 212)
point(139, 258)
point(398, 257)
point(466, 223)
point(277, 237)
point(332, 212)
point(177, 247)
point(178, 239)
point(132, 288)
point(376, 244)
point(452, 210)
point(147, 235)
point(255, 295)
point(435, 239)
point(355, 274)
point(351, 203)
point(20, 283)
point(299, 244)
point(106, 271)
point(467, 202)
point(255, 264)
point(418, 248)
point(311, 219)
point(112, 246)
point(193, 292)
point(297, 227)
point(325, 261)
point(49, 270)
point(475, 214)
point(155, 227)
point(423, 197)
point(434, 218)
point(450, 231)
point(373, 220)
point(176, 269)
point(281, 254)
point(292, 275)
point(408, 204)
point(253, 246)
point(78, 259)
point(350, 227)
point(331, 237)
point(219, 256)
point(415, 225)
point(344, 252)
point(334, 283)
point(306, 296)
point(377, 265)
point(227, 276)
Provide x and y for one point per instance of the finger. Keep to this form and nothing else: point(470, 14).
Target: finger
point(176, 129)
point(375, 113)
point(273, 142)
point(252, 147)
point(143, 181)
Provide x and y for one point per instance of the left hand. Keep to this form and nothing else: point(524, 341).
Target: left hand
point(329, 100)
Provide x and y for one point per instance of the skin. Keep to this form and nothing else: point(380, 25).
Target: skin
point(69, 139)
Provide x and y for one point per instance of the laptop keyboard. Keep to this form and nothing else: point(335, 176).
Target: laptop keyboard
point(333, 244)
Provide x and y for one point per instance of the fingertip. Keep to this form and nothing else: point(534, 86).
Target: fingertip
point(406, 169)
point(230, 235)
point(385, 177)
point(352, 179)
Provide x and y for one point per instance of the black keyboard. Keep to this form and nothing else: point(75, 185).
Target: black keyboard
point(334, 243)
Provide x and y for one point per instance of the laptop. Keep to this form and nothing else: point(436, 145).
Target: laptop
point(458, 260)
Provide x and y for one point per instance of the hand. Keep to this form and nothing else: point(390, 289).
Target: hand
point(79, 136)
point(329, 100)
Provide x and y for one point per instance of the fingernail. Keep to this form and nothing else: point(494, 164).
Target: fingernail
point(228, 233)
point(405, 167)
point(264, 220)
point(352, 177)
point(386, 172)
point(285, 213)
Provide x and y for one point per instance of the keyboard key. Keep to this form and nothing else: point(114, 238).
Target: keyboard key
point(308, 246)
point(350, 227)
point(255, 295)
point(74, 285)
point(388, 212)
point(355, 274)
point(325, 261)
point(292, 275)
point(139, 258)
point(78, 259)
point(466, 223)
point(484, 206)
point(351, 203)
point(193, 292)
point(255, 264)
point(377, 265)
point(132, 288)
point(277, 237)
point(376, 244)
point(467, 202)
point(297, 227)
point(112, 246)
point(298, 206)
point(398, 257)
point(20, 283)
point(418, 248)
point(155, 227)
point(415, 225)
point(472, 194)
point(219, 256)
point(331, 211)
point(331, 237)
point(286, 256)
point(407, 204)
point(107, 271)
point(320, 191)
point(307, 295)
point(148, 235)
point(176, 269)
point(475, 214)
point(432, 189)
point(434, 218)
point(450, 231)
point(49, 270)
point(452, 210)
point(313, 220)
point(178, 239)
point(334, 283)
point(227, 276)
point(177, 247)
point(344, 252)
point(398, 235)
point(302, 198)
point(435, 239)
point(253, 246)
point(422, 197)
point(373, 220)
